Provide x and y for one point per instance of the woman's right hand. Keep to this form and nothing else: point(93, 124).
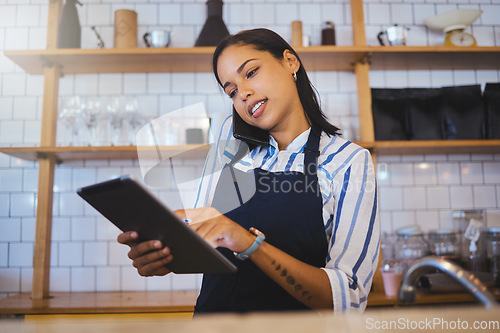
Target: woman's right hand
point(148, 257)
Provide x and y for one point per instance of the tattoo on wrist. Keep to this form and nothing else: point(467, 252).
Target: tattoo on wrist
point(291, 280)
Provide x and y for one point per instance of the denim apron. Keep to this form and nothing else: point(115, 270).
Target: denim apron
point(287, 208)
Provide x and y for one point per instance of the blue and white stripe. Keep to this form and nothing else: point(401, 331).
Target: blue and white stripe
point(350, 211)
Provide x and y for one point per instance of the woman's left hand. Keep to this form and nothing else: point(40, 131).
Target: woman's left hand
point(217, 229)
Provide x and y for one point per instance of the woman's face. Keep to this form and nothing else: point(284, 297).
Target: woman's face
point(261, 87)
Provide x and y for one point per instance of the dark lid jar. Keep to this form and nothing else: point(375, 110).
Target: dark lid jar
point(444, 243)
point(328, 33)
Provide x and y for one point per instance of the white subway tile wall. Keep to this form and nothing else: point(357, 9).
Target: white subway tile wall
point(422, 189)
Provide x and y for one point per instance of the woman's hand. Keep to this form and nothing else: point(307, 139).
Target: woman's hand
point(308, 284)
point(217, 229)
point(148, 257)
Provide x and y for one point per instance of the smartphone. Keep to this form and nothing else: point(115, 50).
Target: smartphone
point(252, 135)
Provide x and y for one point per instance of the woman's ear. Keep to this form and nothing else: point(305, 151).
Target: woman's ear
point(291, 60)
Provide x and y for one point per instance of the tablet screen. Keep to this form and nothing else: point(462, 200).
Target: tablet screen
point(132, 207)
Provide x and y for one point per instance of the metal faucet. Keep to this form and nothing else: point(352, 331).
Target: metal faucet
point(407, 291)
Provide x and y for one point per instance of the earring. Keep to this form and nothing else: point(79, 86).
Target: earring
point(295, 76)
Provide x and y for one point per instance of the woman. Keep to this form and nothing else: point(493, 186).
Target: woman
point(322, 231)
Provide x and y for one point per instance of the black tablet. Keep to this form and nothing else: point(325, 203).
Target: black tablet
point(132, 207)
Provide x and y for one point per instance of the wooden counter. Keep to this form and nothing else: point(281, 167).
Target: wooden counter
point(102, 302)
point(449, 319)
point(166, 302)
point(379, 299)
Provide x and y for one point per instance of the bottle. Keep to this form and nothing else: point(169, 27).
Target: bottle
point(125, 29)
point(443, 243)
point(214, 29)
point(70, 32)
point(470, 223)
point(328, 33)
point(297, 37)
point(492, 236)
point(410, 246)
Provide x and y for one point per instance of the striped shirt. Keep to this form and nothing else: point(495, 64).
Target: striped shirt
point(350, 211)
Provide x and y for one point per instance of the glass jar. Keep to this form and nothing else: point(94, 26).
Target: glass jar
point(410, 246)
point(471, 255)
point(444, 244)
point(328, 33)
point(492, 240)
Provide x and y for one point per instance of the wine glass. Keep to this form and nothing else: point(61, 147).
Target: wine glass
point(134, 118)
point(70, 118)
point(112, 105)
point(97, 121)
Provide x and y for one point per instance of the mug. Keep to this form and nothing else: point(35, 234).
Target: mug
point(159, 38)
point(396, 35)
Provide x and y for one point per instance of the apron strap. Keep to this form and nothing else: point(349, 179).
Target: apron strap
point(311, 153)
point(243, 149)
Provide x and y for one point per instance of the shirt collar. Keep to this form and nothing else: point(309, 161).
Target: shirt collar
point(296, 145)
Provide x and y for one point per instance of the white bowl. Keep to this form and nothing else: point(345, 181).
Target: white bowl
point(453, 20)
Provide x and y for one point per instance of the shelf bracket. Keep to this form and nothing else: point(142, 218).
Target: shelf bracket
point(46, 63)
point(43, 156)
point(367, 58)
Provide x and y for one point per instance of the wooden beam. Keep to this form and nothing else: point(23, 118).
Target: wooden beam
point(55, 9)
point(366, 131)
point(43, 236)
point(358, 23)
point(46, 166)
point(362, 71)
point(377, 283)
point(50, 103)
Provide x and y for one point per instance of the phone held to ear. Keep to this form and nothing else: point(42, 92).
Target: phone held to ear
point(250, 134)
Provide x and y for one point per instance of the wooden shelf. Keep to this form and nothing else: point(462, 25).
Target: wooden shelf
point(198, 59)
point(148, 60)
point(135, 60)
point(434, 147)
point(62, 154)
point(433, 57)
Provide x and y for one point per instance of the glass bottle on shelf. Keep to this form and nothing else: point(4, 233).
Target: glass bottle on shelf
point(470, 224)
point(390, 268)
point(443, 243)
point(70, 30)
point(214, 29)
point(410, 246)
point(492, 240)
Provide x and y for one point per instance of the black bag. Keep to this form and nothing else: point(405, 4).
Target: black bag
point(390, 119)
point(464, 113)
point(432, 113)
point(425, 113)
point(491, 98)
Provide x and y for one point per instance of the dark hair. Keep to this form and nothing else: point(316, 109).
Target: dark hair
point(267, 40)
